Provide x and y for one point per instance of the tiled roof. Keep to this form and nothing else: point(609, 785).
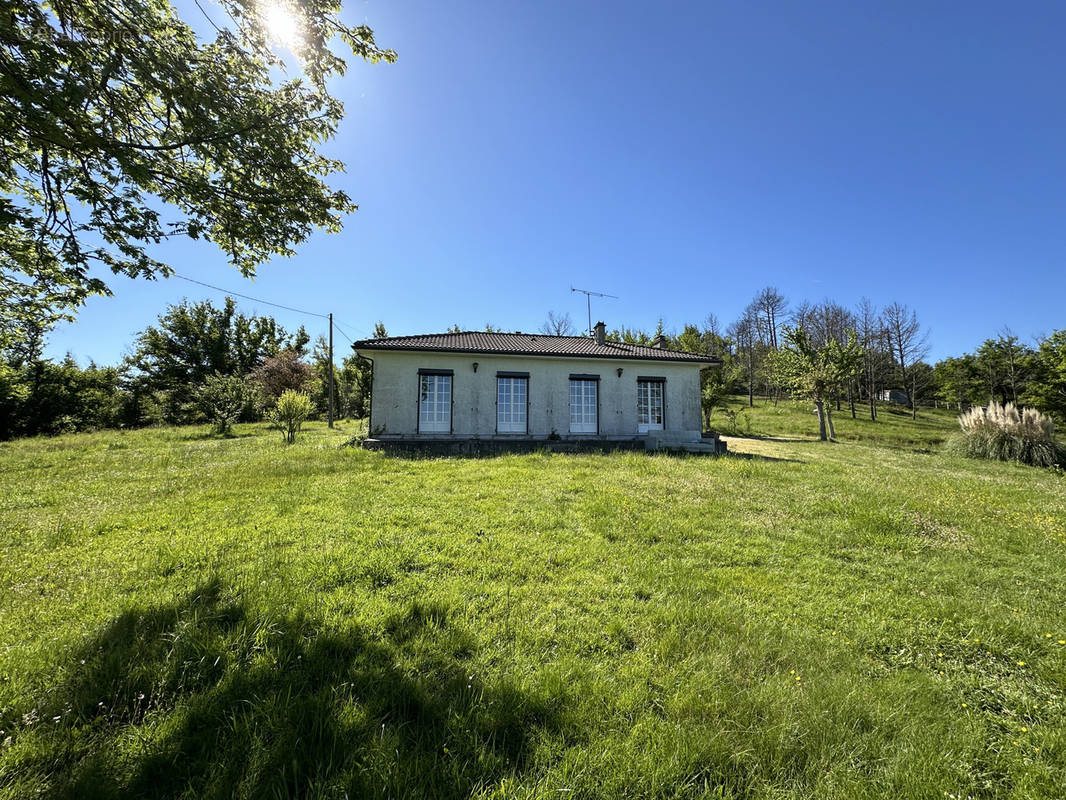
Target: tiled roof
point(529, 344)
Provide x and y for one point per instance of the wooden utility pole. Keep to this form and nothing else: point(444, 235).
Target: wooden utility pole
point(330, 414)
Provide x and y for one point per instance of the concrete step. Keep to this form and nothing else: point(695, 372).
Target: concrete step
point(657, 439)
point(697, 447)
point(687, 447)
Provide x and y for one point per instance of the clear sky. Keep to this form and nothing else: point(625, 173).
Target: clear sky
point(681, 156)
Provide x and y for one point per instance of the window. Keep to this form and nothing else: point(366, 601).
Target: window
point(649, 405)
point(434, 403)
point(511, 393)
point(583, 405)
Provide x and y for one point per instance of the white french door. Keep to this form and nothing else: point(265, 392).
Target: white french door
point(511, 405)
point(435, 404)
point(583, 406)
point(649, 406)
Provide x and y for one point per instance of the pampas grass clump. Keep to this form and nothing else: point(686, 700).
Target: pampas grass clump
point(1004, 433)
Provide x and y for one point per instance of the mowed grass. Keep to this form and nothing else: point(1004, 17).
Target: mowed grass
point(186, 616)
point(894, 426)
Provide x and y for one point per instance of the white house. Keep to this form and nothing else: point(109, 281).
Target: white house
point(522, 386)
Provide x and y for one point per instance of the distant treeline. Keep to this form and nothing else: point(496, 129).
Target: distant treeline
point(894, 368)
point(162, 380)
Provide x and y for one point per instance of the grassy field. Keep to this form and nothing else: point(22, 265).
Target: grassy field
point(893, 428)
point(186, 616)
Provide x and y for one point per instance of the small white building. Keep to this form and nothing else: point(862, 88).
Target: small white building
point(531, 386)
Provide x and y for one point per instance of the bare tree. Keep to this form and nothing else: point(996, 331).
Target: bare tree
point(745, 333)
point(771, 307)
point(823, 321)
point(557, 325)
point(877, 355)
point(909, 344)
point(712, 334)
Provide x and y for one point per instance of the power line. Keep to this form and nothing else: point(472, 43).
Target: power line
point(249, 297)
point(340, 330)
point(343, 333)
point(328, 317)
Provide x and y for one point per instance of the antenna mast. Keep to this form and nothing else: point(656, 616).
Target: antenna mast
point(588, 301)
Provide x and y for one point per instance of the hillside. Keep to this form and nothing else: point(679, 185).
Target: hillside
point(186, 616)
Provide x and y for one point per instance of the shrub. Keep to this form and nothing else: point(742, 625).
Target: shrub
point(739, 420)
point(222, 399)
point(1004, 433)
point(290, 412)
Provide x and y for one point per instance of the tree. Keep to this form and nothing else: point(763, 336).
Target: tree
point(193, 341)
point(715, 386)
point(909, 345)
point(119, 128)
point(1047, 386)
point(557, 325)
point(771, 307)
point(1001, 363)
point(714, 342)
point(744, 332)
point(280, 373)
point(45, 397)
point(353, 387)
point(875, 361)
point(379, 330)
point(222, 399)
point(958, 381)
point(318, 389)
point(1015, 360)
point(630, 336)
point(817, 370)
point(690, 340)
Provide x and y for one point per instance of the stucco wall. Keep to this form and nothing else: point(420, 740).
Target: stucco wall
point(394, 402)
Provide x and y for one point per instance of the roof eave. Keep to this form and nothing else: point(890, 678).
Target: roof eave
point(686, 358)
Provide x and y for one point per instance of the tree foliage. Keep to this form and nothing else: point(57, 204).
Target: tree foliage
point(1047, 387)
point(120, 128)
point(222, 399)
point(43, 397)
point(192, 341)
point(817, 370)
point(280, 373)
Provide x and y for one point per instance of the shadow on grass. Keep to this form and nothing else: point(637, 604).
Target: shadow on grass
point(203, 699)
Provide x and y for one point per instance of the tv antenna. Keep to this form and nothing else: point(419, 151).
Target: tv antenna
point(588, 301)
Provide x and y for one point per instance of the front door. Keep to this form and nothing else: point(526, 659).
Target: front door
point(649, 406)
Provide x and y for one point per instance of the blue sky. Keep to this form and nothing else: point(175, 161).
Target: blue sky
point(681, 156)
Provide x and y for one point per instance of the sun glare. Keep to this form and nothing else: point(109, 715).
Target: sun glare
point(281, 24)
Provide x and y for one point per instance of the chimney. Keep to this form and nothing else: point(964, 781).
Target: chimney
point(660, 342)
point(600, 333)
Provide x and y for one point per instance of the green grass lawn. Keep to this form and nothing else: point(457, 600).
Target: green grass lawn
point(893, 428)
point(186, 616)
